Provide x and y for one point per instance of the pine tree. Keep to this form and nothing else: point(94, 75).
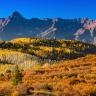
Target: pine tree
point(53, 54)
point(17, 76)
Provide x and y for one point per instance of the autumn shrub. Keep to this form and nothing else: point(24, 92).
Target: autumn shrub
point(92, 92)
point(59, 87)
point(2, 78)
point(23, 90)
point(77, 81)
point(30, 90)
point(44, 86)
point(6, 90)
point(15, 93)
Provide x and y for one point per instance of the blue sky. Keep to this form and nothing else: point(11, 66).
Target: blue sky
point(49, 8)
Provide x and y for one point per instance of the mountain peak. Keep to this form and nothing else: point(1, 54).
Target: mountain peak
point(16, 14)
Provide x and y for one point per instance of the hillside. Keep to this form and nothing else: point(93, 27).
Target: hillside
point(49, 49)
point(16, 26)
point(68, 78)
point(47, 67)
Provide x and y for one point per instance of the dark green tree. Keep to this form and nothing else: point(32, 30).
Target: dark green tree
point(53, 54)
point(16, 76)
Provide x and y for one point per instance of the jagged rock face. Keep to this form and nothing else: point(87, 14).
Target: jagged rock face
point(16, 26)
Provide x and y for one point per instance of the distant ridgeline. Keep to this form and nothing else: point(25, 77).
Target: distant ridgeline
point(16, 26)
point(49, 49)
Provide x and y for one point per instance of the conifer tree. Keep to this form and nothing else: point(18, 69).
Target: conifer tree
point(17, 76)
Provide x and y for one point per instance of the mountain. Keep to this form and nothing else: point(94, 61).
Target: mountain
point(16, 26)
